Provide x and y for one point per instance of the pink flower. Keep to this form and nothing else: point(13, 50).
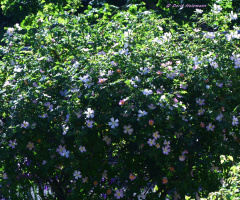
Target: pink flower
point(165, 180)
point(132, 177)
point(181, 75)
point(156, 135)
point(185, 151)
point(159, 72)
point(163, 65)
point(102, 80)
point(182, 158)
point(151, 122)
point(168, 63)
point(121, 102)
point(202, 125)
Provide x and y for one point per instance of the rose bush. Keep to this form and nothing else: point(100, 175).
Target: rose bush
point(117, 109)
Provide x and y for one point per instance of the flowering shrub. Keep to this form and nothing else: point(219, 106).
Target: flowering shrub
point(230, 185)
point(118, 109)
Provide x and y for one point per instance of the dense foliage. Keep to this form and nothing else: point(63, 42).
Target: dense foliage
point(16, 11)
point(123, 108)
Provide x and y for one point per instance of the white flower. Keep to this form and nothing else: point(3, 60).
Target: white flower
point(128, 129)
point(219, 84)
point(78, 114)
point(12, 144)
point(210, 127)
point(82, 149)
point(176, 195)
point(60, 149)
point(166, 150)
point(156, 135)
point(77, 174)
point(142, 113)
point(167, 36)
point(65, 153)
point(201, 102)
point(30, 145)
point(104, 174)
point(201, 111)
point(17, 68)
point(24, 124)
point(65, 129)
point(89, 113)
point(144, 70)
point(43, 115)
point(10, 31)
point(4, 176)
point(232, 35)
point(136, 79)
point(102, 72)
point(199, 11)
point(113, 123)
point(89, 123)
point(76, 64)
point(151, 142)
point(235, 121)
point(85, 78)
point(49, 105)
point(237, 65)
point(33, 125)
point(167, 143)
point(216, 8)
point(210, 35)
point(110, 72)
point(118, 194)
point(235, 56)
point(151, 106)
point(147, 92)
point(182, 158)
point(196, 30)
point(18, 27)
point(107, 139)
point(214, 64)
point(88, 84)
point(219, 117)
point(233, 16)
point(157, 40)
